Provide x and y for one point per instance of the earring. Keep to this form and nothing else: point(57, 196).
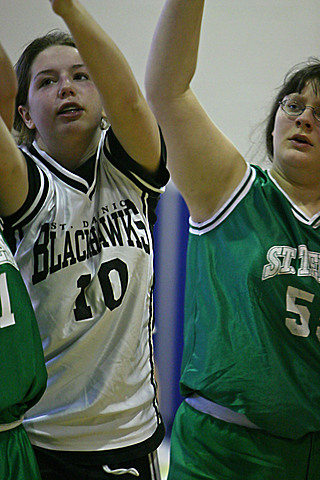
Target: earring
point(104, 124)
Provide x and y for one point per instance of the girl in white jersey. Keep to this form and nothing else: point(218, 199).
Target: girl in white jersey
point(80, 223)
point(250, 369)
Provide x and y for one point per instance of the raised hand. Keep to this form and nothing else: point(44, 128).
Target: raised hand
point(62, 7)
point(8, 88)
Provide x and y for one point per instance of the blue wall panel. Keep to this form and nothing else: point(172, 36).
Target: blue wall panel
point(171, 235)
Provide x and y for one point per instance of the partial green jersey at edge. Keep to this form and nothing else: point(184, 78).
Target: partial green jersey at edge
point(22, 368)
point(252, 308)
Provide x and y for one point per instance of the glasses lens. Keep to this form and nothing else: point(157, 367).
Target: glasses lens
point(316, 113)
point(293, 107)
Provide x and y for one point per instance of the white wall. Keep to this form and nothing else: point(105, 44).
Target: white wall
point(246, 47)
point(129, 22)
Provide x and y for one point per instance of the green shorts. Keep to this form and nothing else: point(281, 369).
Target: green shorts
point(17, 460)
point(203, 447)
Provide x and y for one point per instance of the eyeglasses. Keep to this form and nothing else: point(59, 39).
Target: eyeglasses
point(294, 108)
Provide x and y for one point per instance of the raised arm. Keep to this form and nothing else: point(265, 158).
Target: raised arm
point(126, 108)
point(204, 164)
point(13, 170)
point(8, 89)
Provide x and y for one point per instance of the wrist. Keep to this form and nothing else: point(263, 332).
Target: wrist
point(65, 8)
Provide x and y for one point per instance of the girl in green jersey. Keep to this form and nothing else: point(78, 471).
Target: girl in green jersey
point(22, 370)
point(250, 368)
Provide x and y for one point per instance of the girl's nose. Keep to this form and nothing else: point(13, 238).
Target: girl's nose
point(306, 118)
point(66, 89)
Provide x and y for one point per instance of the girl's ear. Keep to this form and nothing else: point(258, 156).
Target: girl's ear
point(26, 117)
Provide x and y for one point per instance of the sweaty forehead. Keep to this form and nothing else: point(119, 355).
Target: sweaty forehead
point(310, 91)
point(55, 58)
point(311, 88)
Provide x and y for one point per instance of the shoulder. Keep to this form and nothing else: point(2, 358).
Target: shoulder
point(118, 157)
point(38, 189)
point(244, 190)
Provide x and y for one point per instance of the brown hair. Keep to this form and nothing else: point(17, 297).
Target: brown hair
point(294, 82)
point(23, 69)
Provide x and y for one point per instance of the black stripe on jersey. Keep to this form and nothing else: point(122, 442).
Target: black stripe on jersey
point(93, 191)
point(35, 211)
point(154, 466)
point(37, 182)
point(144, 202)
point(15, 222)
point(127, 173)
point(148, 195)
point(133, 170)
point(93, 186)
point(119, 158)
point(230, 205)
point(151, 357)
point(64, 177)
point(314, 223)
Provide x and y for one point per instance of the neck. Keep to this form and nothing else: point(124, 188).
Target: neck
point(305, 195)
point(70, 152)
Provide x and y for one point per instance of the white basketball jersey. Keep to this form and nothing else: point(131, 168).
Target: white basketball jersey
point(86, 255)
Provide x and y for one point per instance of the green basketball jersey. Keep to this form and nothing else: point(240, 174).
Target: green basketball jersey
point(22, 370)
point(252, 308)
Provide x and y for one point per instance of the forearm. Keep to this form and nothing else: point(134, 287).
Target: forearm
point(13, 173)
point(8, 88)
point(107, 66)
point(174, 49)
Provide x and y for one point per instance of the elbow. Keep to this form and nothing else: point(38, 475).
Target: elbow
point(152, 102)
point(163, 89)
point(11, 91)
point(153, 92)
point(157, 86)
point(14, 87)
point(157, 95)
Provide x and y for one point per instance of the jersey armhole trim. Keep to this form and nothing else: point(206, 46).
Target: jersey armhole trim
point(37, 203)
point(238, 194)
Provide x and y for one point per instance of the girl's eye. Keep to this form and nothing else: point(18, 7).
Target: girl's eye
point(46, 81)
point(293, 105)
point(81, 76)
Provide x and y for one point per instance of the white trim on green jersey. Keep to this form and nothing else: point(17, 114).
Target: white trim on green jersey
point(252, 303)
